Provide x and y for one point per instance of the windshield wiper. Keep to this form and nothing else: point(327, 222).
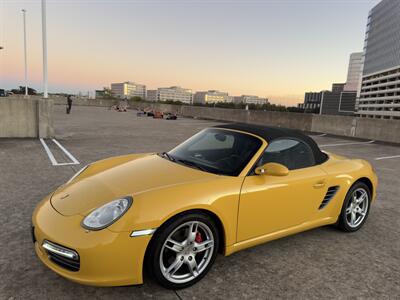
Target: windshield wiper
point(165, 154)
point(182, 161)
point(190, 163)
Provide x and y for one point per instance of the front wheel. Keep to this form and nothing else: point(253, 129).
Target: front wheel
point(355, 208)
point(184, 250)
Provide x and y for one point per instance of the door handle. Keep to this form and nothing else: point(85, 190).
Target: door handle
point(319, 184)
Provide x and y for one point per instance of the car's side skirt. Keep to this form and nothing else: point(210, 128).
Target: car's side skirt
point(278, 234)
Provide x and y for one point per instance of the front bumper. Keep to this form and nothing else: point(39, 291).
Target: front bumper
point(106, 258)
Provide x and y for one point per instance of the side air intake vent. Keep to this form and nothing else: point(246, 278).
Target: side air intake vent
point(329, 195)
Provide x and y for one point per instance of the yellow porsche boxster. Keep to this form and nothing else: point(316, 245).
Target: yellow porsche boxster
point(225, 189)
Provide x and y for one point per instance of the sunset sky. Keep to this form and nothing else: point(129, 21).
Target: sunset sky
point(273, 48)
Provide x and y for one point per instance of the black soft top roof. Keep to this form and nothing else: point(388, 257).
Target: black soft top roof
point(270, 133)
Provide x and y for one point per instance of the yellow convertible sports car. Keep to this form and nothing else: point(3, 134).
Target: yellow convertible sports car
point(225, 189)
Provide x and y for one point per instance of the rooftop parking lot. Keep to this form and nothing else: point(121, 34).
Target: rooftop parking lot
point(321, 263)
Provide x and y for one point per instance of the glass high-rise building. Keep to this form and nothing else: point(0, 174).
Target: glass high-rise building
point(379, 93)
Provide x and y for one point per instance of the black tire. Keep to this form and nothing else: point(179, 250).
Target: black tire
point(343, 223)
point(160, 237)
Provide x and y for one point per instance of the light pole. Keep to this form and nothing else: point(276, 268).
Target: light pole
point(26, 64)
point(44, 40)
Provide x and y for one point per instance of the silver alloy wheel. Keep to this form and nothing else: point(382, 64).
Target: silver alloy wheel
point(186, 252)
point(357, 208)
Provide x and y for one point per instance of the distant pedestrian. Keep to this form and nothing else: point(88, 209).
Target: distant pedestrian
point(69, 103)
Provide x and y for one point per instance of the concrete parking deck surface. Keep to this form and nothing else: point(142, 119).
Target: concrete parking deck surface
point(321, 263)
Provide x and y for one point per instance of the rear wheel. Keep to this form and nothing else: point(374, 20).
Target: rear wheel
point(184, 250)
point(355, 208)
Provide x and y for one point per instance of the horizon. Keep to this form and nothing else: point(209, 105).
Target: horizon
point(276, 49)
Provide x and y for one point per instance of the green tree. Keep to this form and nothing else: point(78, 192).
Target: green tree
point(136, 99)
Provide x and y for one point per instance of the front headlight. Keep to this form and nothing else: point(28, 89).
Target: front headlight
point(107, 214)
point(77, 174)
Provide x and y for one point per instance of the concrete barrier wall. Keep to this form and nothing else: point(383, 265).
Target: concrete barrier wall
point(177, 109)
point(337, 125)
point(281, 119)
point(18, 118)
point(26, 118)
point(86, 102)
point(380, 130)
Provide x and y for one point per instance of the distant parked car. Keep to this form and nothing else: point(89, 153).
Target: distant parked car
point(158, 115)
point(170, 116)
point(150, 114)
point(141, 113)
point(2, 93)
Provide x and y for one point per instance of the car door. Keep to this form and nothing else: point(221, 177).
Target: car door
point(272, 203)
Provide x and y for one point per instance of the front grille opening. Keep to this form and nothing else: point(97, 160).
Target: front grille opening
point(57, 254)
point(33, 234)
point(329, 195)
point(66, 263)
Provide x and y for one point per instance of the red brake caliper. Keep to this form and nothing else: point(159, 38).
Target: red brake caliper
point(198, 238)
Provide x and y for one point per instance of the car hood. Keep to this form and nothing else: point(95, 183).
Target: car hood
point(129, 178)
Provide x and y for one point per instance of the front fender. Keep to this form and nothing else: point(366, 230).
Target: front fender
point(153, 208)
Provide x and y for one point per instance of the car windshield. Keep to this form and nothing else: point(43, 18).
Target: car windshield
point(217, 151)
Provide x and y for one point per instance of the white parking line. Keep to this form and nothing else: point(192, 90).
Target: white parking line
point(49, 154)
point(52, 158)
point(387, 157)
point(322, 134)
point(71, 157)
point(346, 144)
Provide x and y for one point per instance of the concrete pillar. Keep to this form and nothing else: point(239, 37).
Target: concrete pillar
point(45, 118)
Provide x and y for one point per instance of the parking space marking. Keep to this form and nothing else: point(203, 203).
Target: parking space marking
point(322, 134)
point(346, 144)
point(49, 154)
point(54, 162)
point(387, 157)
point(71, 157)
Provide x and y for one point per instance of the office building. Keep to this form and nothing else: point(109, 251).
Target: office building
point(174, 93)
point(379, 93)
point(250, 99)
point(354, 72)
point(341, 99)
point(338, 102)
point(337, 87)
point(211, 96)
point(312, 102)
point(128, 90)
point(100, 93)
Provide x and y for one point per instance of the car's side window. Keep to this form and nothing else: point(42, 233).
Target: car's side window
point(293, 154)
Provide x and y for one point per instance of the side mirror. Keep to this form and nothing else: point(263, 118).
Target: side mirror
point(273, 169)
